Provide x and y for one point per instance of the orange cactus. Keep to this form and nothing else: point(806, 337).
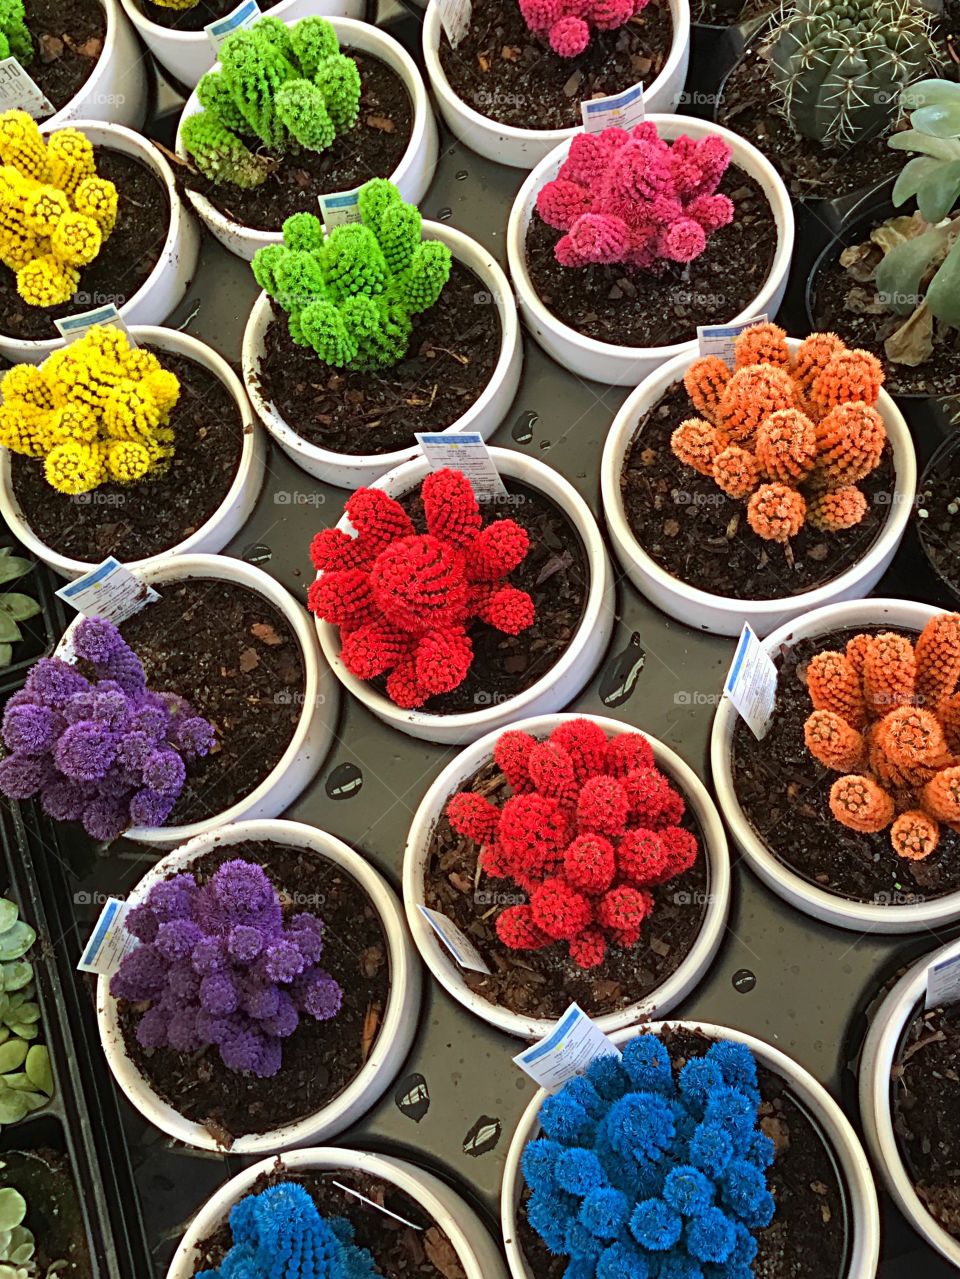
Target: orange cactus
point(837, 509)
point(696, 443)
point(787, 445)
point(752, 394)
point(948, 713)
point(938, 658)
point(912, 739)
point(850, 443)
point(813, 355)
point(776, 512)
point(887, 773)
point(832, 741)
point(889, 673)
point(762, 344)
point(859, 803)
point(914, 835)
point(834, 685)
point(736, 471)
point(941, 796)
point(850, 375)
point(705, 382)
point(857, 650)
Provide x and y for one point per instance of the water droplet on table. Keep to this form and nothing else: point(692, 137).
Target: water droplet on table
point(744, 981)
point(524, 427)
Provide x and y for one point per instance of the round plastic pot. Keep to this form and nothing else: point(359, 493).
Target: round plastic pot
point(116, 90)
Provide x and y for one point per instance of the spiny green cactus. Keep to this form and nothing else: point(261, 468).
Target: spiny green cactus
point(287, 87)
point(15, 39)
point(26, 1082)
point(352, 295)
point(839, 65)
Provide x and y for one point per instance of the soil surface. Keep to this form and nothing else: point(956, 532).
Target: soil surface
point(320, 1058)
point(132, 521)
point(201, 15)
point(238, 662)
point(807, 1238)
point(939, 531)
point(373, 148)
point(554, 573)
point(68, 38)
point(453, 351)
point(925, 1098)
point(54, 1212)
point(415, 1248)
point(544, 983)
point(785, 795)
point(627, 307)
point(701, 536)
point(508, 74)
point(123, 263)
point(726, 13)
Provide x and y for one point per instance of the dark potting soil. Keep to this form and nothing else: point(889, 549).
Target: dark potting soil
point(201, 15)
point(54, 1212)
point(925, 1100)
point(785, 795)
point(453, 351)
point(725, 13)
point(373, 148)
point(123, 263)
point(418, 1250)
point(544, 983)
point(320, 1058)
point(938, 529)
point(831, 310)
point(237, 661)
point(508, 74)
point(701, 536)
point(632, 308)
point(68, 38)
point(132, 521)
point(554, 573)
point(807, 1238)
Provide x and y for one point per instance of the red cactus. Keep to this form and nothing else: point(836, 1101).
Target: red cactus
point(567, 24)
point(473, 816)
point(516, 929)
point(560, 910)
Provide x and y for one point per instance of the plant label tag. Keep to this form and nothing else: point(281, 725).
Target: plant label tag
point(455, 18)
point(455, 939)
point(242, 16)
point(20, 92)
point(943, 983)
point(752, 683)
point(110, 943)
point(619, 111)
point(348, 1190)
point(464, 451)
point(568, 1050)
point(340, 209)
point(109, 591)
point(77, 326)
point(719, 339)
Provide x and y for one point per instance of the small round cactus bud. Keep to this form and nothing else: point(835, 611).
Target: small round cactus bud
point(837, 509)
point(705, 381)
point(941, 796)
point(834, 742)
point(787, 446)
point(696, 443)
point(850, 375)
point(736, 471)
point(752, 394)
point(858, 802)
point(762, 344)
point(850, 443)
point(776, 512)
point(914, 835)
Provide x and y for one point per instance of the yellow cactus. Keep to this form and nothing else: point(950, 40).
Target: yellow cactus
point(46, 281)
point(98, 410)
point(98, 199)
point(22, 146)
point(70, 157)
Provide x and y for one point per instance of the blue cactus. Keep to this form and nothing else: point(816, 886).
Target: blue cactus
point(279, 1234)
point(642, 1175)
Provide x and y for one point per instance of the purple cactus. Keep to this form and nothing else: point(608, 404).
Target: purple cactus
point(106, 751)
point(221, 968)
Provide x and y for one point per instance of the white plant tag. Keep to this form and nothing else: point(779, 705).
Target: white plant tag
point(464, 451)
point(110, 591)
point(568, 1050)
point(75, 326)
point(373, 1204)
point(455, 939)
point(619, 111)
point(943, 983)
point(719, 339)
point(242, 16)
point(20, 92)
point(110, 943)
point(340, 209)
point(455, 18)
point(752, 683)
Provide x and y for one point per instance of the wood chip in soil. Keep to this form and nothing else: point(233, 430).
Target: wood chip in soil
point(68, 37)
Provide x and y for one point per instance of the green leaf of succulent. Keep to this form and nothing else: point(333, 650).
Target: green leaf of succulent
point(22, 1246)
point(28, 1030)
point(35, 1100)
point(13, 1208)
point(900, 273)
point(28, 1013)
point(911, 176)
point(6, 657)
point(20, 607)
point(930, 93)
point(12, 567)
point(16, 975)
point(16, 941)
point(38, 1068)
point(938, 121)
point(13, 1106)
point(914, 140)
point(8, 914)
point(9, 630)
point(12, 1055)
point(938, 192)
point(943, 293)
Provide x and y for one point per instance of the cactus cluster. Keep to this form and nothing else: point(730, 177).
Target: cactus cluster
point(404, 601)
point(839, 65)
point(96, 411)
point(287, 87)
point(887, 716)
point(352, 295)
point(791, 437)
point(26, 1082)
point(643, 1174)
point(569, 24)
point(55, 212)
point(591, 825)
point(15, 39)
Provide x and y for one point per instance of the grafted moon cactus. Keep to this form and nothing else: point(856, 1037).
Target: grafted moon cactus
point(569, 24)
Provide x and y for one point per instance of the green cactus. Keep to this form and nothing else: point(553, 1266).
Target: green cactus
point(26, 1082)
point(15, 39)
point(839, 65)
point(352, 295)
point(287, 88)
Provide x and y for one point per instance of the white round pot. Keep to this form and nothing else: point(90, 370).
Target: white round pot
point(397, 1029)
point(629, 365)
point(165, 286)
point(881, 1049)
point(863, 917)
point(523, 148)
point(223, 524)
point(188, 54)
point(412, 175)
point(485, 414)
point(439, 960)
point(116, 90)
point(852, 1165)
point(318, 716)
point(476, 1251)
point(564, 680)
point(720, 614)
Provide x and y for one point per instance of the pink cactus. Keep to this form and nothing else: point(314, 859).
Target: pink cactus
point(636, 199)
point(567, 24)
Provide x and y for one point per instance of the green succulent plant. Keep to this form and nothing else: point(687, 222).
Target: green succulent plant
point(17, 1245)
point(26, 1079)
point(14, 606)
point(15, 39)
